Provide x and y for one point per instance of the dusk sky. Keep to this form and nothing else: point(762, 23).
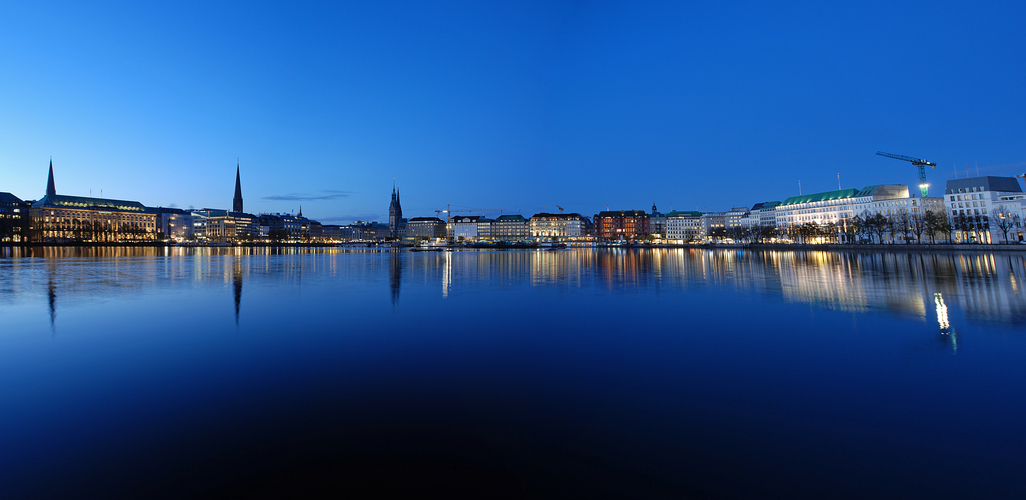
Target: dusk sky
point(519, 105)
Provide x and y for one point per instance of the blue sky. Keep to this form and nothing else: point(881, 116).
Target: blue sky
point(519, 105)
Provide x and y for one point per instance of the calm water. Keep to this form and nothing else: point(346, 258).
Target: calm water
point(637, 373)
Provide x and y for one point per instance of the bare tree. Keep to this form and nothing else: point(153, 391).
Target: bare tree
point(901, 222)
point(918, 225)
point(935, 222)
point(878, 225)
point(1003, 220)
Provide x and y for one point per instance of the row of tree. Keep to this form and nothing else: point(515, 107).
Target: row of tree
point(904, 226)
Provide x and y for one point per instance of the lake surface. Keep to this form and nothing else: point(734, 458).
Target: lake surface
point(586, 372)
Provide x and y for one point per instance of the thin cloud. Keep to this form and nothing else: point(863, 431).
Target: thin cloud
point(332, 195)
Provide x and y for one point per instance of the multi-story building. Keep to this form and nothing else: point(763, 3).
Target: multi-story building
point(13, 215)
point(836, 208)
point(621, 224)
point(767, 212)
point(484, 228)
point(199, 224)
point(546, 225)
point(656, 222)
point(375, 231)
point(174, 223)
point(462, 227)
point(62, 218)
point(737, 221)
point(713, 225)
point(832, 207)
point(331, 232)
point(684, 226)
point(510, 228)
point(973, 203)
point(425, 227)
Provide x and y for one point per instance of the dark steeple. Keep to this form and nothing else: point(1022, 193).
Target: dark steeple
point(237, 202)
point(395, 214)
point(50, 188)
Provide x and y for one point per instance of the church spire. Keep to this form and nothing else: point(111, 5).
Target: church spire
point(237, 202)
point(50, 188)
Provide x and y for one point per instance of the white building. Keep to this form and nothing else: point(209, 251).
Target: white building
point(464, 226)
point(684, 226)
point(984, 201)
point(836, 207)
point(546, 225)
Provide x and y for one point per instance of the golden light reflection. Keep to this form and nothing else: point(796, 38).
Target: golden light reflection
point(942, 312)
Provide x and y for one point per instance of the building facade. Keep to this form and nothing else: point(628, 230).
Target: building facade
point(425, 227)
point(980, 206)
point(174, 223)
point(546, 225)
point(684, 226)
point(621, 224)
point(510, 228)
point(463, 227)
point(61, 218)
point(13, 217)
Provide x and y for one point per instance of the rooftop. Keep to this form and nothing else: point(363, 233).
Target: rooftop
point(60, 200)
point(986, 183)
point(839, 194)
point(9, 198)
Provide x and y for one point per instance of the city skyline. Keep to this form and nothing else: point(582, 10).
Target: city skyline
point(517, 106)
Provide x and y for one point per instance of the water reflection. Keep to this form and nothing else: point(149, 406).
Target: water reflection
point(237, 287)
point(51, 298)
point(984, 286)
point(395, 275)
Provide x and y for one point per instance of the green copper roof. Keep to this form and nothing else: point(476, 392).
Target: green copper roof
point(684, 213)
point(825, 196)
point(60, 200)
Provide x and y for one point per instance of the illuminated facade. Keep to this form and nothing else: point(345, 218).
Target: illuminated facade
point(684, 226)
point(546, 225)
point(621, 224)
point(835, 208)
point(174, 223)
point(59, 218)
point(979, 206)
point(13, 214)
point(510, 228)
point(425, 227)
point(462, 227)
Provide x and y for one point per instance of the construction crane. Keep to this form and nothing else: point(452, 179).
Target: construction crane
point(560, 208)
point(924, 187)
point(448, 211)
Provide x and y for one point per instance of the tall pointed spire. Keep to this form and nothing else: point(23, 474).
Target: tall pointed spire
point(300, 209)
point(50, 188)
point(237, 202)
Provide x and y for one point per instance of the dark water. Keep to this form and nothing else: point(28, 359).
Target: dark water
point(580, 373)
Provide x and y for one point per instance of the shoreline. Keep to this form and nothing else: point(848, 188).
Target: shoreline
point(911, 247)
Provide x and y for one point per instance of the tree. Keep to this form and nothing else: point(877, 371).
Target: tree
point(852, 228)
point(1003, 220)
point(901, 223)
point(962, 224)
point(934, 222)
point(918, 225)
point(878, 224)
